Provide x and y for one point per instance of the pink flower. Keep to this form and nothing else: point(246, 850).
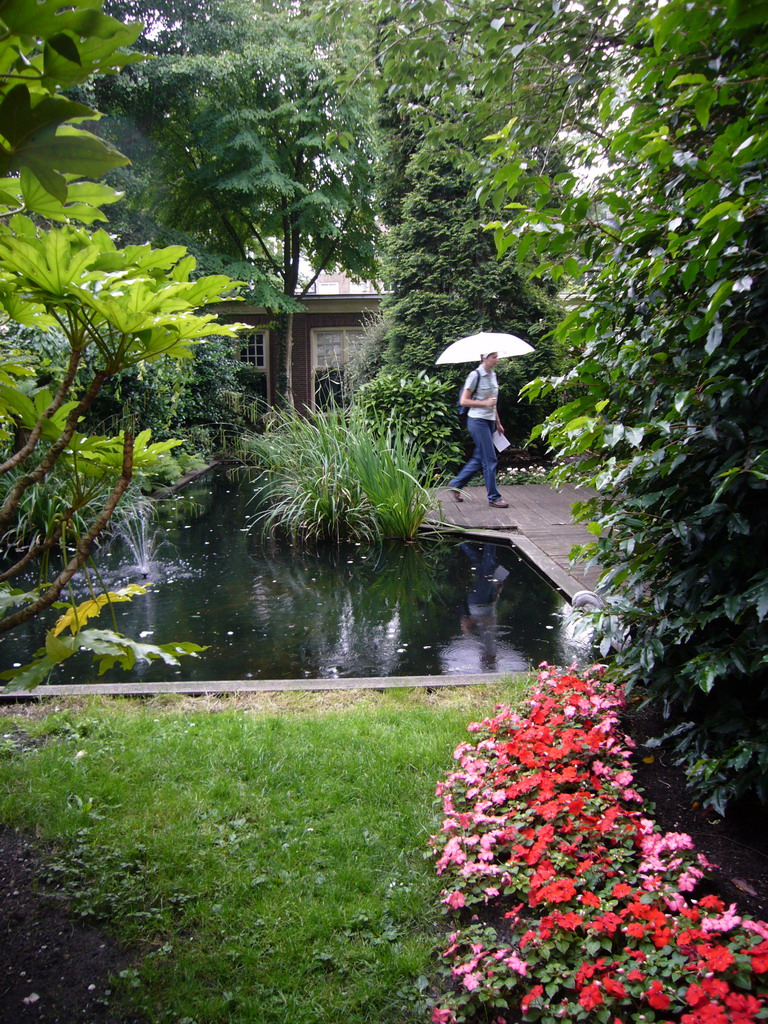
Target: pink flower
point(761, 927)
point(455, 900)
point(518, 966)
point(471, 981)
point(443, 1016)
point(730, 919)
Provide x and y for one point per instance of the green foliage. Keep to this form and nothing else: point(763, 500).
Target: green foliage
point(170, 469)
point(46, 48)
point(257, 156)
point(102, 309)
point(656, 230)
point(204, 399)
point(673, 429)
point(447, 282)
point(336, 476)
point(424, 410)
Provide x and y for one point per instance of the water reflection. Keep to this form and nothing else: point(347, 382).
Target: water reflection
point(268, 610)
point(480, 622)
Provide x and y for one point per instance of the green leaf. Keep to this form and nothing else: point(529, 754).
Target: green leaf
point(58, 648)
point(718, 211)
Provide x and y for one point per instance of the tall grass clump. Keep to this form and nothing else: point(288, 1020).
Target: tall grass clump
point(339, 475)
point(392, 472)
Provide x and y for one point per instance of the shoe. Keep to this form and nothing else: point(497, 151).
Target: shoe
point(456, 494)
point(498, 504)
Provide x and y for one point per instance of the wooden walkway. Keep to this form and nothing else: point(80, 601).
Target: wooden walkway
point(538, 524)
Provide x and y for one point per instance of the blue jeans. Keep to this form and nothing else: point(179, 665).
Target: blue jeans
point(484, 457)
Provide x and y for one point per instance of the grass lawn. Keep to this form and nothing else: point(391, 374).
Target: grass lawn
point(267, 860)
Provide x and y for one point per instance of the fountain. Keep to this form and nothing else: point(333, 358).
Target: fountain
point(143, 540)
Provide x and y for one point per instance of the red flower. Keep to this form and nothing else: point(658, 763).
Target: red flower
point(560, 891)
point(712, 903)
point(635, 929)
point(589, 899)
point(614, 988)
point(716, 958)
point(760, 958)
point(656, 997)
point(709, 1014)
point(591, 996)
point(715, 988)
point(635, 975)
point(608, 923)
point(621, 889)
point(569, 921)
point(744, 1008)
point(536, 992)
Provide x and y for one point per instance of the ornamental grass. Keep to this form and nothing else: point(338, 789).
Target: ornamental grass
point(571, 905)
point(338, 475)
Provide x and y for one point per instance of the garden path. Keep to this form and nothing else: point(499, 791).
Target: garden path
point(538, 524)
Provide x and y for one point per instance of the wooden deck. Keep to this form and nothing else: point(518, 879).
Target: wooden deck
point(538, 524)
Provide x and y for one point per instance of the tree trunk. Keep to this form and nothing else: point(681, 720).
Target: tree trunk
point(289, 399)
point(284, 397)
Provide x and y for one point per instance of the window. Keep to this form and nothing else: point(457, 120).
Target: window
point(331, 351)
point(254, 349)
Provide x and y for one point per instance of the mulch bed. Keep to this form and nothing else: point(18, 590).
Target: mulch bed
point(56, 968)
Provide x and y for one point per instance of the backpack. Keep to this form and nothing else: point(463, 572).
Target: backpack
point(462, 411)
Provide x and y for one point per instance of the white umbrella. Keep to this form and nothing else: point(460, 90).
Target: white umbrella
point(468, 350)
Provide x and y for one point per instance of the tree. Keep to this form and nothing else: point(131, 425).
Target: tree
point(658, 230)
point(112, 308)
point(447, 281)
point(262, 162)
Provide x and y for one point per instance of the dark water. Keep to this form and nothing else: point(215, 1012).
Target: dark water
point(267, 610)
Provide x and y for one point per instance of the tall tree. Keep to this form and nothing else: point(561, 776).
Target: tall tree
point(447, 281)
point(260, 159)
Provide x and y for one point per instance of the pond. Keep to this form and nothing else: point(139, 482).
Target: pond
point(269, 610)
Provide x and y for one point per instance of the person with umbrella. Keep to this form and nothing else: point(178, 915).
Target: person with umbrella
point(480, 395)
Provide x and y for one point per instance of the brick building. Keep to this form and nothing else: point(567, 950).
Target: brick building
point(333, 318)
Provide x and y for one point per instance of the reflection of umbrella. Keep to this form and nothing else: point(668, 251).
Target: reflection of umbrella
point(471, 349)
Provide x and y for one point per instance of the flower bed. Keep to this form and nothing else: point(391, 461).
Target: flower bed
point(572, 905)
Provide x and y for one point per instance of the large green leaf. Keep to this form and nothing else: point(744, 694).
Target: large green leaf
point(82, 201)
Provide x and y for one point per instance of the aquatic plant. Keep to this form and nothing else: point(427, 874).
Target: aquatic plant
point(338, 476)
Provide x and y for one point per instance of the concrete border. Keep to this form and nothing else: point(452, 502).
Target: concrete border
point(250, 686)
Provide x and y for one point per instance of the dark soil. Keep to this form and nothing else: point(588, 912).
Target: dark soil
point(736, 845)
point(57, 969)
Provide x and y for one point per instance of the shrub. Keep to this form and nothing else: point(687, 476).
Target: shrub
point(339, 476)
point(422, 408)
point(665, 413)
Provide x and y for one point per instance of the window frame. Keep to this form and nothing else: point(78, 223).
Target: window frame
point(344, 331)
point(245, 349)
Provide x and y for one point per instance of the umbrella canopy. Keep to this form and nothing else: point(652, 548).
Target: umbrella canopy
point(469, 350)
